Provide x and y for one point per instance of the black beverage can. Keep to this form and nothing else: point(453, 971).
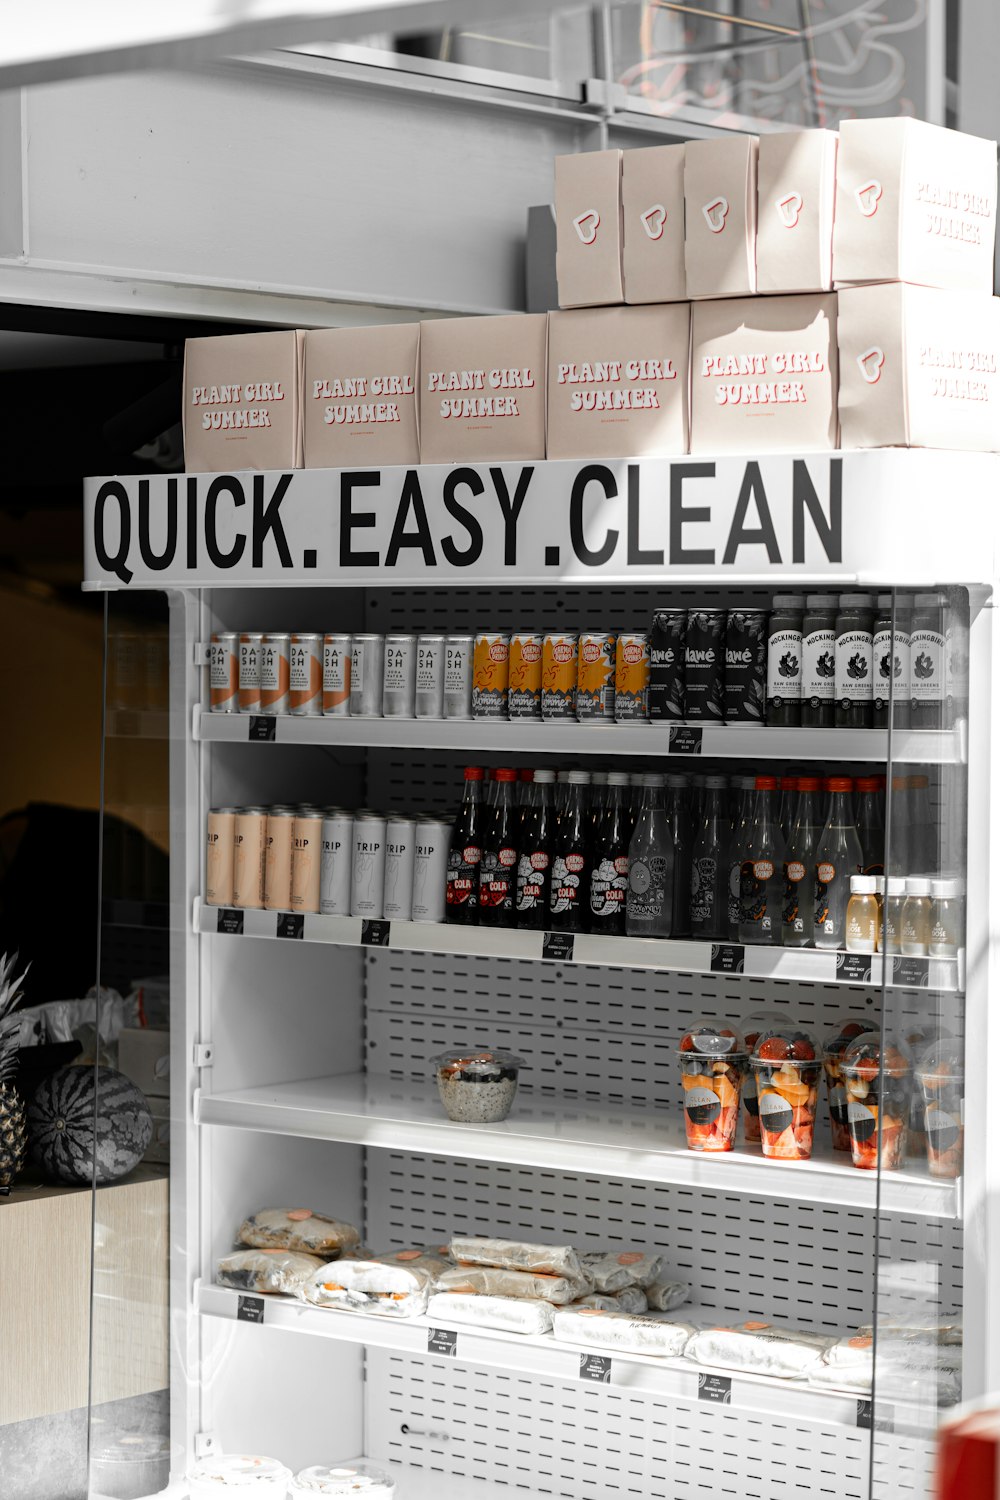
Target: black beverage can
point(704, 665)
point(746, 666)
point(666, 664)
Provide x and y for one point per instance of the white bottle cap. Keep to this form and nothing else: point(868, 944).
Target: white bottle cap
point(578, 778)
point(918, 885)
point(618, 778)
point(945, 888)
point(895, 885)
point(545, 778)
point(879, 884)
point(862, 885)
point(653, 778)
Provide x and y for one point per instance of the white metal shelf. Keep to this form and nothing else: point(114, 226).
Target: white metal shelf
point(415, 1484)
point(734, 741)
point(564, 1133)
point(681, 955)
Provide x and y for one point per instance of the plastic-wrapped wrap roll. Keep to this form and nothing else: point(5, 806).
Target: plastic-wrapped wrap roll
point(517, 1255)
point(759, 1348)
point(369, 1286)
point(621, 1331)
point(610, 1270)
point(630, 1299)
point(298, 1229)
point(282, 1271)
point(491, 1281)
point(664, 1296)
point(512, 1314)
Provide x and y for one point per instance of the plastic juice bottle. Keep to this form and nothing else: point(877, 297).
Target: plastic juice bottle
point(861, 933)
point(916, 926)
point(892, 916)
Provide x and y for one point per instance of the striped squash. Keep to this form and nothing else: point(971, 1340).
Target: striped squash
point(76, 1118)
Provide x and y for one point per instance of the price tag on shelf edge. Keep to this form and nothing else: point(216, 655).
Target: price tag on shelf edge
point(867, 1420)
point(558, 945)
point(442, 1341)
point(727, 958)
point(855, 968)
point(262, 727)
point(911, 971)
point(230, 920)
point(596, 1367)
point(291, 924)
point(685, 739)
point(716, 1388)
point(374, 932)
point(249, 1309)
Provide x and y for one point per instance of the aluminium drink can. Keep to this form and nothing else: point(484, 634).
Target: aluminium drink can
point(224, 672)
point(274, 674)
point(745, 690)
point(278, 859)
point(632, 676)
point(560, 655)
point(400, 852)
point(458, 650)
point(399, 677)
point(432, 840)
point(307, 833)
point(429, 693)
point(704, 665)
point(337, 675)
point(368, 865)
point(336, 855)
point(491, 675)
point(595, 682)
point(666, 664)
point(525, 676)
point(367, 662)
point(248, 857)
point(219, 856)
point(305, 675)
point(251, 642)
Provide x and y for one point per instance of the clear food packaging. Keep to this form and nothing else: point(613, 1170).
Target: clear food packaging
point(298, 1229)
point(713, 1060)
point(630, 1299)
point(492, 1281)
point(434, 1261)
point(757, 1025)
point(941, 1075)
point(282, 1271)
point(520, 1255)
point(760, 1348)
point(240, 1473)
point(621, 1331)
point(356, 1478)
point(610, 1270)
point(512, 1314)
point(834, 1048)
point(664, 1296)
point(787, 1068)
point(477, 1085)
point(369, 1286)
point(877, 1080)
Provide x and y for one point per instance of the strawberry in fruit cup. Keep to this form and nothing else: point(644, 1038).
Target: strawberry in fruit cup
point(836, 1097)
point(757, 1026)
point(941, 1074)
point(786, 1067)
point(877, 1082)
point(713, 1060)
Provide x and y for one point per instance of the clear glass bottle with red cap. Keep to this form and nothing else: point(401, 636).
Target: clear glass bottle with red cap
point(762, 877)
point(466, 851)
point(800, 867)
point(838, 857)
point(870, 823)
point(787, 803)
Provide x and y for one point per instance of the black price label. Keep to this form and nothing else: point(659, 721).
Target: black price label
point(685, 739)
point(291, 924)
point(854, 968)
point(442, 1341)
point(727, 958)
point(558, 945)
point(262, 727)
point(717, 1388)
point(867, 1419)
point(230, 920)
point(250, 1309)
point(913, 972)
point(374, 932)
point(596, 1367)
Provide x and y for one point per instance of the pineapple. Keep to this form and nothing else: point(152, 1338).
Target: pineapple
point(13, 1125)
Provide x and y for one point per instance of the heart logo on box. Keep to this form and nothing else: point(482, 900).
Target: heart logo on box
point(789, 207)
point(716, 214)
point(870, 364)
point(867, 196)
point(654, 220)
point(586, 225)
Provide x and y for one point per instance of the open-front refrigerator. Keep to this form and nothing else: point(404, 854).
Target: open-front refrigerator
point(302, 1042)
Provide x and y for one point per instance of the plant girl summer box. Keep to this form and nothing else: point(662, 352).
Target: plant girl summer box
point(241, 402)
point(764, 375)
point(618, 381)
point(359, 397)
point(720, 217)
point(918, 368)
point(653, 224)
point(482, 389)
point(915, 203)
point(796, 186)
point(589, 228)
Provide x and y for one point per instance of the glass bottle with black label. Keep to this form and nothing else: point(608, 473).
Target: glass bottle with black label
point(498, 868)
point(534, 854)
point(800, 867)
point(679, 819)
point(609, 859)
point(762, 865)
point(649, 906)
point(709, 913)
point(784, 661)
point(870, 823)
point(571, 858)
point(740, 828)
point(819, 661)
point(855, 619)
point(927, 662)
point(838, 857)
point(465, 852)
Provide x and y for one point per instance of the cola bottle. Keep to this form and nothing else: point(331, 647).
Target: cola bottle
point(800, 866)
point(465, 852)
point(534, 854)
point(498, 868)
point(679, 820)
point(524, 780)
point(598, 792)
point(571, 857)
point(609, 859)
point(649, 906)
point(762, 869)
point(709, 904)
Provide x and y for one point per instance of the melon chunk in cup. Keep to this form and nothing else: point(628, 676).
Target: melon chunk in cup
point(713, 1060)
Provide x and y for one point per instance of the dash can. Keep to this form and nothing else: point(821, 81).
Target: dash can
point(248, 857)
point(429, 692)
point(432, 838)
point(595, 681)
point(367, 662)
point(525, 699)
point(224, 672)
point(337, 675)
point(307, 834)
point(274, 675)
point(336, 855)
point(666, 664)
point(278, 859)
point(251, 643)
point(399, 677)
point(305, 675)
point(400, 854)
point(491, 675)
point(704, 665)
point(745, 690)
point(368, 865)
point(560, 655)
point(632, 676)
point(219, 856)
point(458, 652)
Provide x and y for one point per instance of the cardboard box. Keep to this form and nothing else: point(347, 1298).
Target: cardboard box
point(914, 203)
point(618, 382)
point(359, 397)
point(482, 389)
point(764, 375)
point(720, 217)
point(144, 1056)
point(589, 228)
point(918, 368)
point(796, 187)
point(241, 402)
point(653, 224)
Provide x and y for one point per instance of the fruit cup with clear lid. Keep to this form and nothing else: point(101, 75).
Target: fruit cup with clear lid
point(357, 1479)
point(713, 1059)
point(757, 1025)
point(941, 1075)
point(477, 1085)
point(786, 1066)
point(877, 1081)
point(834, 1048)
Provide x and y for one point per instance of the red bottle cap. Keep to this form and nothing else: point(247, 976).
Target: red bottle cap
point(866, 784)
point(506, 773)
point(840, 783)
point(473, 773)
point(808, 783)
point(790, 783)
point(525, 774)
point(766, 783)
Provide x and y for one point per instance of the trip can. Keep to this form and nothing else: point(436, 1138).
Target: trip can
point(430, 869)
point(429, 692)
point(307, 834)
point(458, 652)
point(250, 650)
point(305, 675)
point(219, 856)
point(400, 852)
point(666, 664)
point(278, 859)
point(560, 667)
point(632, 676)
point(525, 700)
point(336, 854)
point(490, 675)
point(367, 662)
point(368, 865)
point(704, 663)
point(399, 676)
point(274, 675)
point(248, 857)
point(595, 676)
point(746, 666)
point(337, 675)
point(224, 672)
